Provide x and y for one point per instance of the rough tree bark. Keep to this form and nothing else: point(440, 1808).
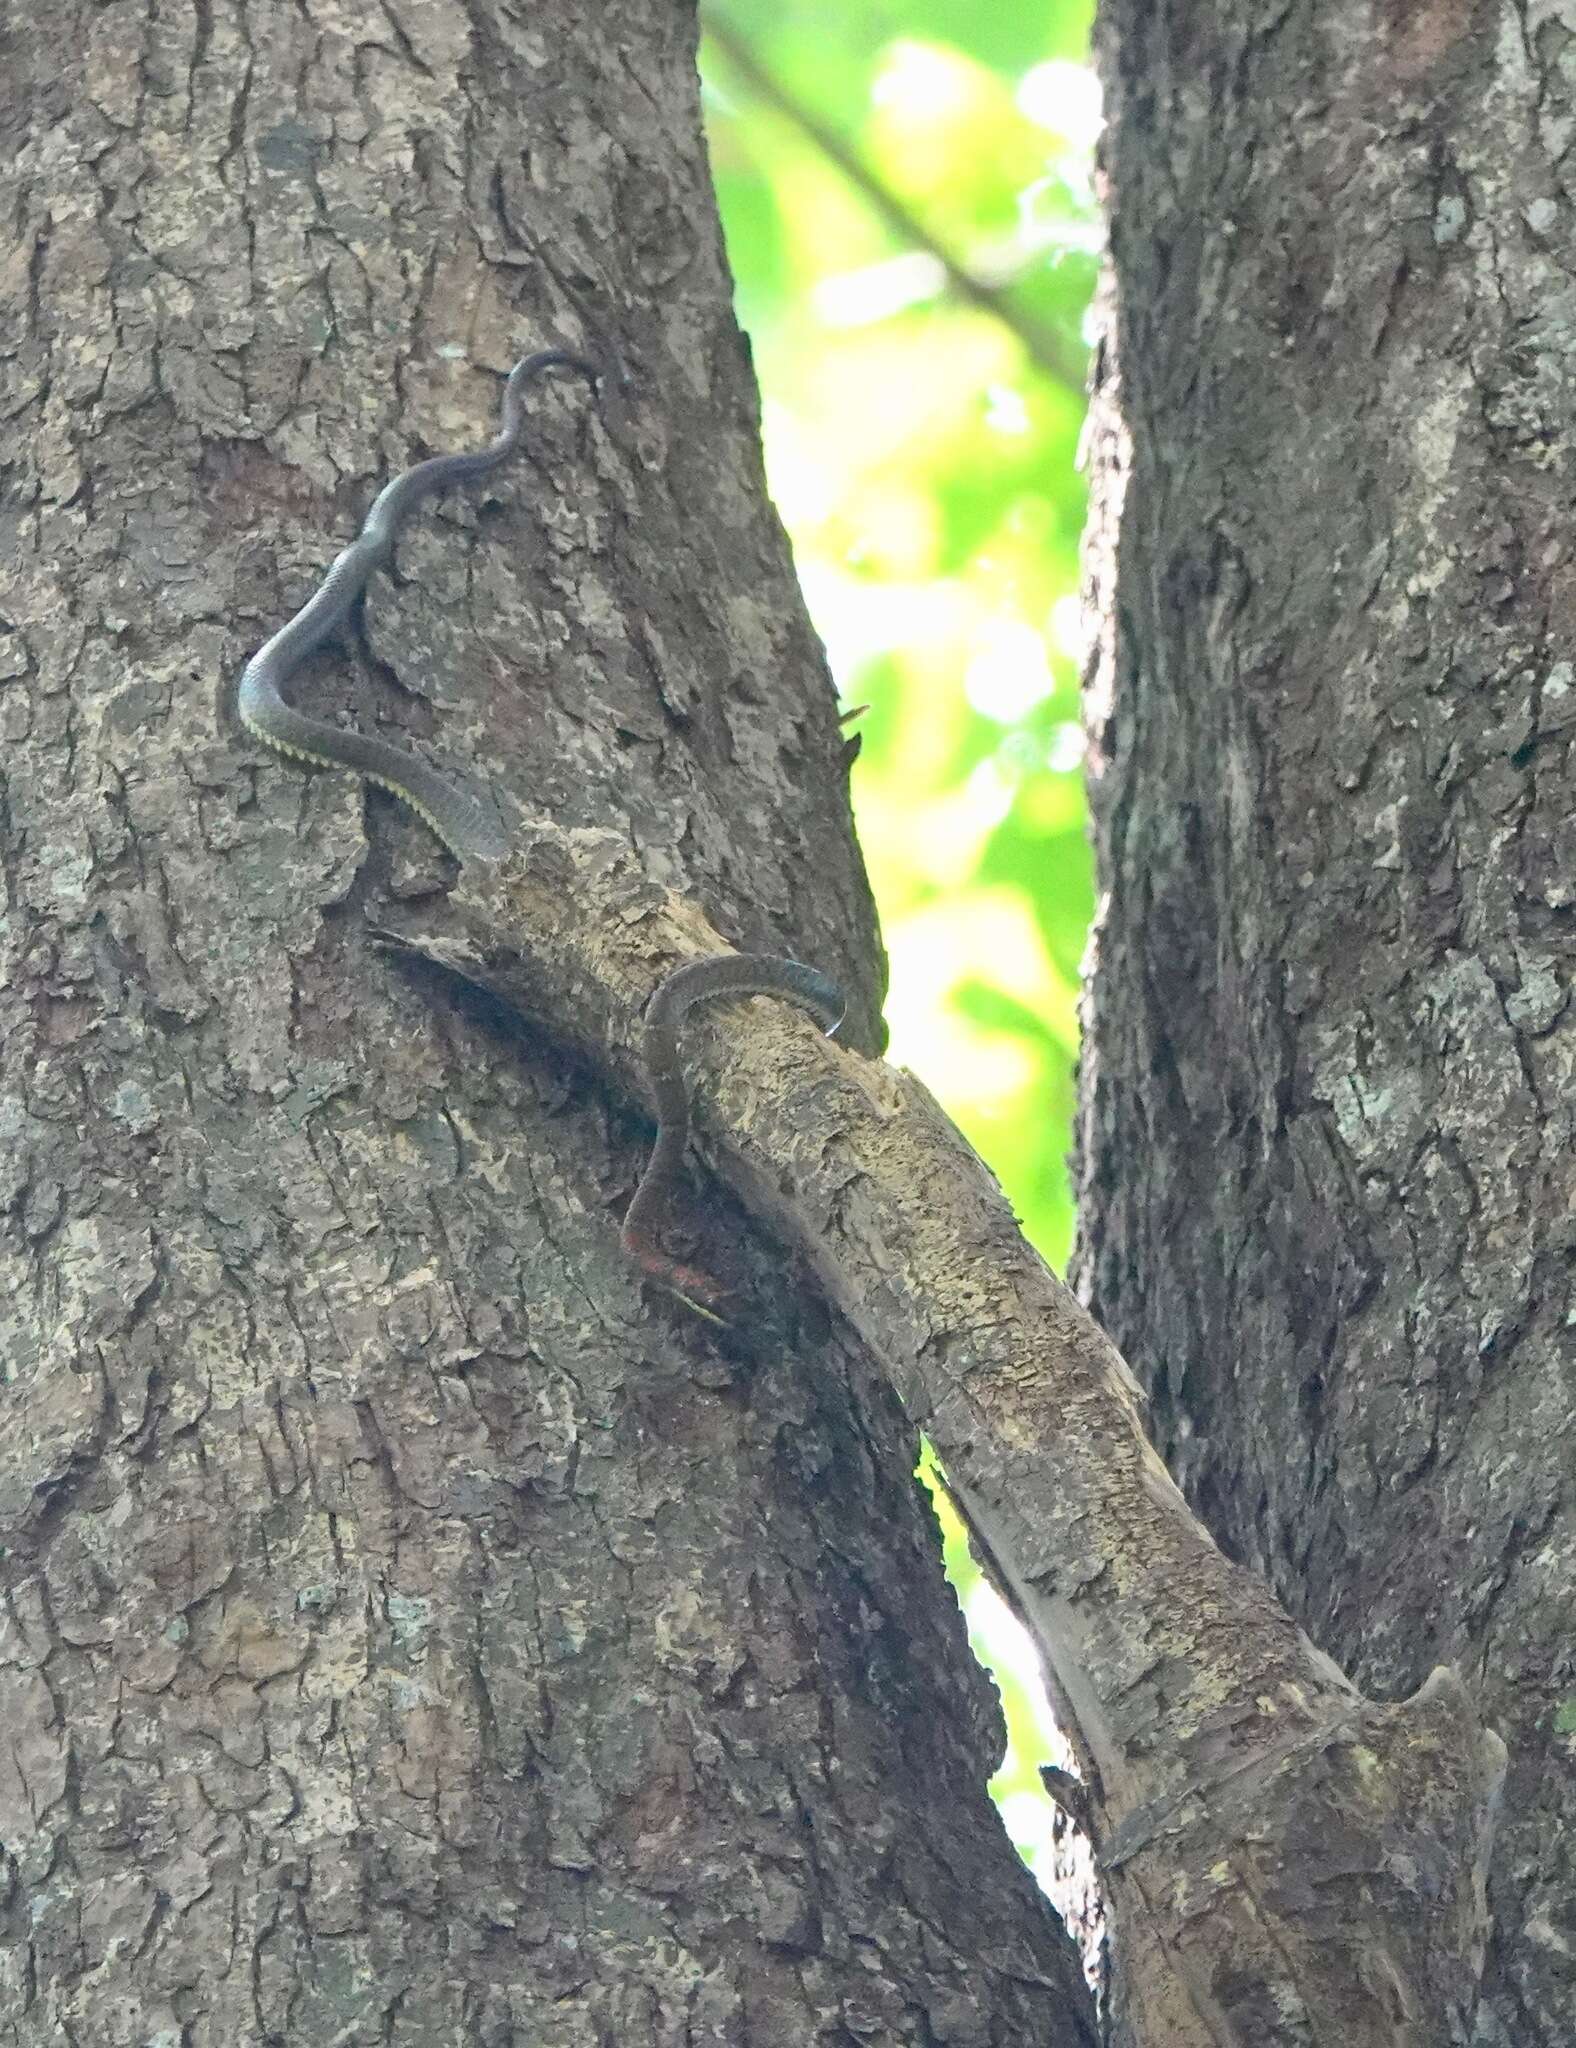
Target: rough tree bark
point(1332, 727)
point(409, 1633)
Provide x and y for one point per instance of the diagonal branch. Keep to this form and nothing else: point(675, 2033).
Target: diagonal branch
point(1062, 361)
point(1287, 1861)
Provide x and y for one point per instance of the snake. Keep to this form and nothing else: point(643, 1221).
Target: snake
point(457, 815)
point(471, 832)
point(721, 974)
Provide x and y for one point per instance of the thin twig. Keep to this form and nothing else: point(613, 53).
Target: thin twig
point(1058, 358)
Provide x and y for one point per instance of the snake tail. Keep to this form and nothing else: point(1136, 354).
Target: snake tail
point(724, 974)
point(459, 816)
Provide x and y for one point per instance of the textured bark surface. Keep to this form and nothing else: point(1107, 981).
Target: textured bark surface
point(1286, 1863)
point(409, 1635)
point(1328, 1179)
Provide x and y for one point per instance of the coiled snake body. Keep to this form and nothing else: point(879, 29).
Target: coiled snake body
point(459, 818)
point(725, 974)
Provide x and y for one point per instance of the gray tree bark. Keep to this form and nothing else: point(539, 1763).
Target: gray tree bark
point(410, 1633)
point(1327, 1180)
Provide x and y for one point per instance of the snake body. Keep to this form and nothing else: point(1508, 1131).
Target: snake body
point(726, 974)
point(460, 819)
point(471, 832)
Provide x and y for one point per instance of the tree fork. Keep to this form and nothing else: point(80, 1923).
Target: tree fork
point(1287, 1861)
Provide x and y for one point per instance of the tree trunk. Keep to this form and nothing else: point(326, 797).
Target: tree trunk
point(1327, 1177)
point(412, 1632)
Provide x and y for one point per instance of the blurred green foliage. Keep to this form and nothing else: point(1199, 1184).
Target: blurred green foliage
point(921, 440)
point(906, 197)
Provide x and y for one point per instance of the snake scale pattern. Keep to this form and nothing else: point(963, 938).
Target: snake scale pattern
point(458, 816)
